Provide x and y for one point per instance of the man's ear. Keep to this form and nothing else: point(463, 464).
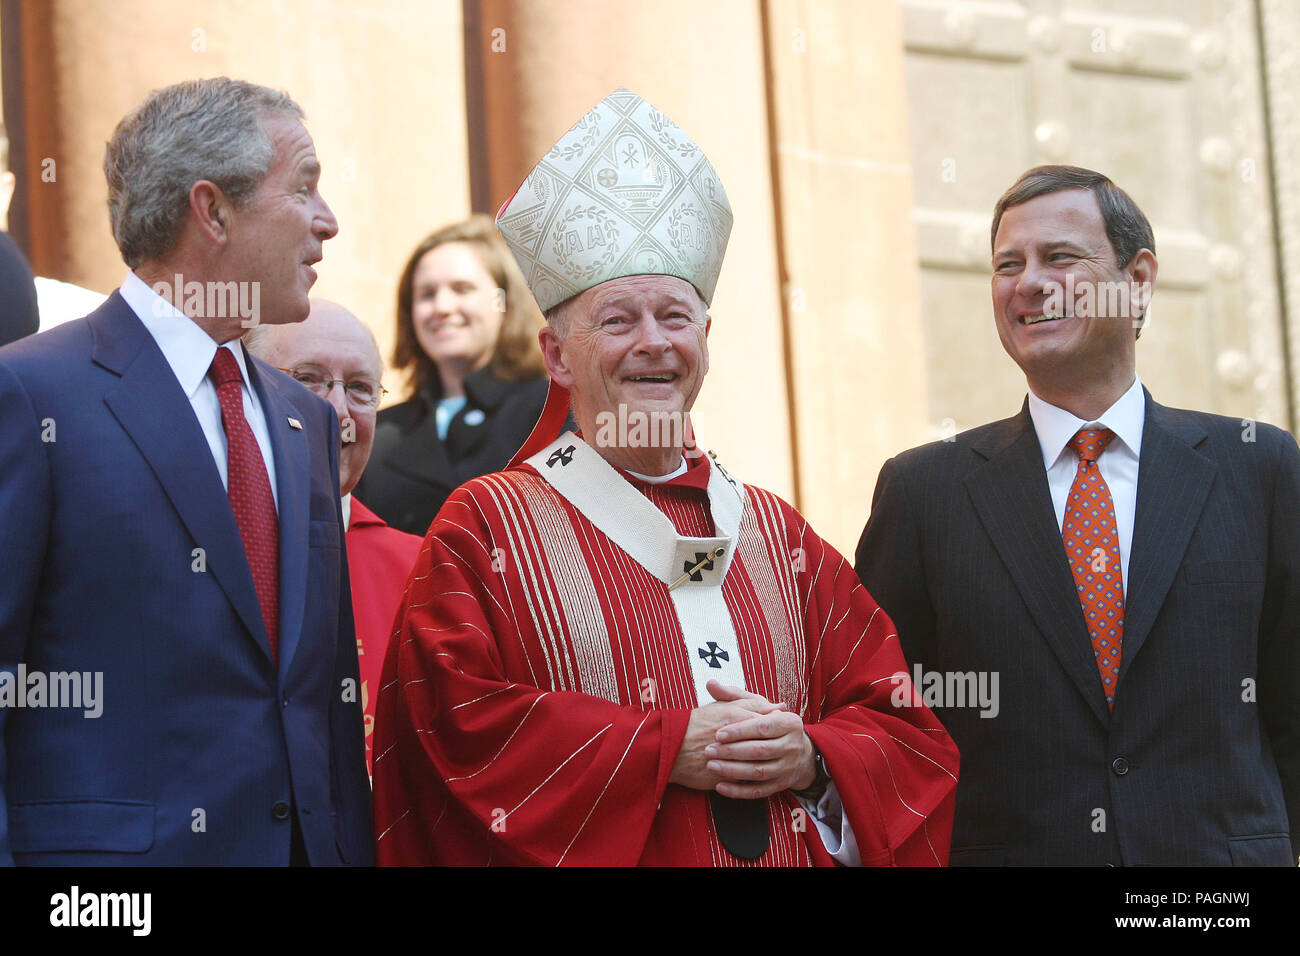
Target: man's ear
point(553, 354)
point(211, 210)
point(708, 324)
point(1142, 281)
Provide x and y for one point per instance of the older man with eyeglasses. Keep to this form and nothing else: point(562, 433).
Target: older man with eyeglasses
point(334, 355)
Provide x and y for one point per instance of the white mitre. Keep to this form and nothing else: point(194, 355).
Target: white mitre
point(624, 192)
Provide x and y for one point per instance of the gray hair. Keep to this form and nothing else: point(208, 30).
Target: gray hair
point(199, 129)
point(557, 317)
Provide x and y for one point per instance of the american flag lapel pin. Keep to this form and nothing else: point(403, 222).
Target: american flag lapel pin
point(295, 424)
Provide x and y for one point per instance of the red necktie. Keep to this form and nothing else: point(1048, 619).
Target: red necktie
point(1092, 547)
point(250, 494)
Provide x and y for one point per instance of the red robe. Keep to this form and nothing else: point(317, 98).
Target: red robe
point(538, 690)
point(380, 559)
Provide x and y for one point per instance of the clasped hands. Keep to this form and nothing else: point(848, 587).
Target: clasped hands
point(742, 745)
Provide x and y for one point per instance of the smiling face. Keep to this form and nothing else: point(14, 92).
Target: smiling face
point(1064, 307)
point(279, 233)
point(639, 342)
point(454, 309)
point(332, 344)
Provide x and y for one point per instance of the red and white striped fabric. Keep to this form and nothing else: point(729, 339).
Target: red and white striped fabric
point(538, 687)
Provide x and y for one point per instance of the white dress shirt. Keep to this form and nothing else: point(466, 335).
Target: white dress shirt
point(832, 823)
point(58, 302)
point(190, 351)
point(1118, 464)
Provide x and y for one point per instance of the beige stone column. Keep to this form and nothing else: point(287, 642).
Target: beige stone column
point(848, 249)
point(546, 62)
point(1280, 41)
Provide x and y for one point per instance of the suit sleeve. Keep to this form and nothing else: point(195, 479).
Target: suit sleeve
point(894, 765)
point(347, 728)
point(473, 761)
point(1279, 640)
point(891, 566)
point(24, 531)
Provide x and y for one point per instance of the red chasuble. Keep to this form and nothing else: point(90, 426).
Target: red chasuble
point(380, 559)
point(538, 687)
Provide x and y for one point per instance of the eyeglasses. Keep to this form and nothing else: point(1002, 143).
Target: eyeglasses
point(360, 393)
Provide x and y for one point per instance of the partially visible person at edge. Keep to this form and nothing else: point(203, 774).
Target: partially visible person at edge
point(333, 354)
point(18, 312)
point(29, 304)
point(615, 653)
point(467, 335)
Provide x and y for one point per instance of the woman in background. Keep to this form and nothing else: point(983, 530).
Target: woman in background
point(467, 334)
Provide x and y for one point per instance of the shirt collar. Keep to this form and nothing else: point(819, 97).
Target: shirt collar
point(1055, 426)
point(660, 479)
point(186, 347)
point(693, 472)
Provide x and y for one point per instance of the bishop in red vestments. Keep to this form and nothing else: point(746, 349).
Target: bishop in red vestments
point(614, 652)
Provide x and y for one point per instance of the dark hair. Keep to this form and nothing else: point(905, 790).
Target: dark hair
point(516, 355)
point(1126, 226)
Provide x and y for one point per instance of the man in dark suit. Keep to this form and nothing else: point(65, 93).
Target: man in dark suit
point(1129, 573)
point(170, 525)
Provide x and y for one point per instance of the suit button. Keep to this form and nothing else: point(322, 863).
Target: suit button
point(1120, 766)
point(280, 810)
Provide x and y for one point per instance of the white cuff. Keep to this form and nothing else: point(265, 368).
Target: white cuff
point(833, 826)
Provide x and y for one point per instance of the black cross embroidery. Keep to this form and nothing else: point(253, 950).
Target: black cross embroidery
point(562, 456)
point(712, 655)
point(693, 567)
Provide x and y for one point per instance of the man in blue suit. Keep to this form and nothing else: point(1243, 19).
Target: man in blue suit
point(170, 528)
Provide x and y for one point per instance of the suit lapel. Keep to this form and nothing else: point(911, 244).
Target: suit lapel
point(157, 415)
point(1174, 481)
point(1012, 499)
point(293, 485)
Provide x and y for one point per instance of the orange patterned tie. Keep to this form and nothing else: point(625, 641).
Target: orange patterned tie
point(1092, 547)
